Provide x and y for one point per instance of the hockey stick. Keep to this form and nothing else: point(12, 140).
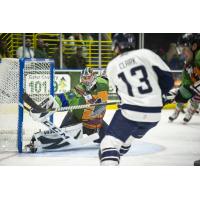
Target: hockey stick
point(62, 109)
point(65, 135)
point(38, 109)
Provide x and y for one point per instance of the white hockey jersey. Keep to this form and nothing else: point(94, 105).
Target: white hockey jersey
point(140, 78)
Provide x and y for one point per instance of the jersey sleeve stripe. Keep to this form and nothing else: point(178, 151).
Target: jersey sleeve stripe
point(143, 109)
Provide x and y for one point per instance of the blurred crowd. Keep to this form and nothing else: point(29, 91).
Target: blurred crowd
point(76, 45)
point(4, 53)
point(171, 57)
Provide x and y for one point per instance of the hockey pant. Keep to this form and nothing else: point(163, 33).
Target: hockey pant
point(120, 134)
point(69, 120)
point(183, 95)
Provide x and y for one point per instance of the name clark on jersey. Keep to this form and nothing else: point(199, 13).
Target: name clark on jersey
point(127, 63)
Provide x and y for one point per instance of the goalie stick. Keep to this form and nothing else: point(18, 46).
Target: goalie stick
point(39, 109)
point(65, 135)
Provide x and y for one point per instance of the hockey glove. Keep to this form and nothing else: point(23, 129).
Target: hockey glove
point(49, 103)
point(170, 96)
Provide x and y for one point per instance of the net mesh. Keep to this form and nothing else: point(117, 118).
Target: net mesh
point(36, 84)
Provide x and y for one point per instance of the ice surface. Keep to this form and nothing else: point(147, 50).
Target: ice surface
point(167, 144)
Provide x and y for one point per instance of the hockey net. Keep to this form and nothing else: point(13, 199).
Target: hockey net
point(34, 78)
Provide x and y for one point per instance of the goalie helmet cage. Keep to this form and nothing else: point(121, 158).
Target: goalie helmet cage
point(30, 75)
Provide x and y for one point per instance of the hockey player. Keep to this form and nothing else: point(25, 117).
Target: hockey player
point(189, 46)
point(140, 78)
point(91, 89)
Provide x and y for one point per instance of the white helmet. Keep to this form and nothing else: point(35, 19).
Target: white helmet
point(88, 78)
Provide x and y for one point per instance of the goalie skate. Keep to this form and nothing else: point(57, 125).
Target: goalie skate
point(31, 148)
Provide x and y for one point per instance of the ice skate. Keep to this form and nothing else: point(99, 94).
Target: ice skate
point(188, 115)
point(174, 115)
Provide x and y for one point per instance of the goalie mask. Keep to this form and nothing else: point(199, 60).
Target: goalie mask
point(88, 78)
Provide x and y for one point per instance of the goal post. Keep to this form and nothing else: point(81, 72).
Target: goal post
point(36, 78)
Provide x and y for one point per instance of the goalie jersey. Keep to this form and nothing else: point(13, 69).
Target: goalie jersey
point(91, 117)
point(140, 78)
point(191, 72)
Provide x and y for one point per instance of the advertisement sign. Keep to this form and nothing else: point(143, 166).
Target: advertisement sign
point(62, 83)
point(37, 84)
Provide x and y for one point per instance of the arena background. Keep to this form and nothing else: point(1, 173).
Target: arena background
point(95, 51)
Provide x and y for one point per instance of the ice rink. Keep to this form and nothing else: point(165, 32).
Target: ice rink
point(168, 144)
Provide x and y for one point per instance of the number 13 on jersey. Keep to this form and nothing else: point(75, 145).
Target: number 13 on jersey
point(140, 73)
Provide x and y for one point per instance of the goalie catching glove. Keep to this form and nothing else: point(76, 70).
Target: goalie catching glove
point(49, 103)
